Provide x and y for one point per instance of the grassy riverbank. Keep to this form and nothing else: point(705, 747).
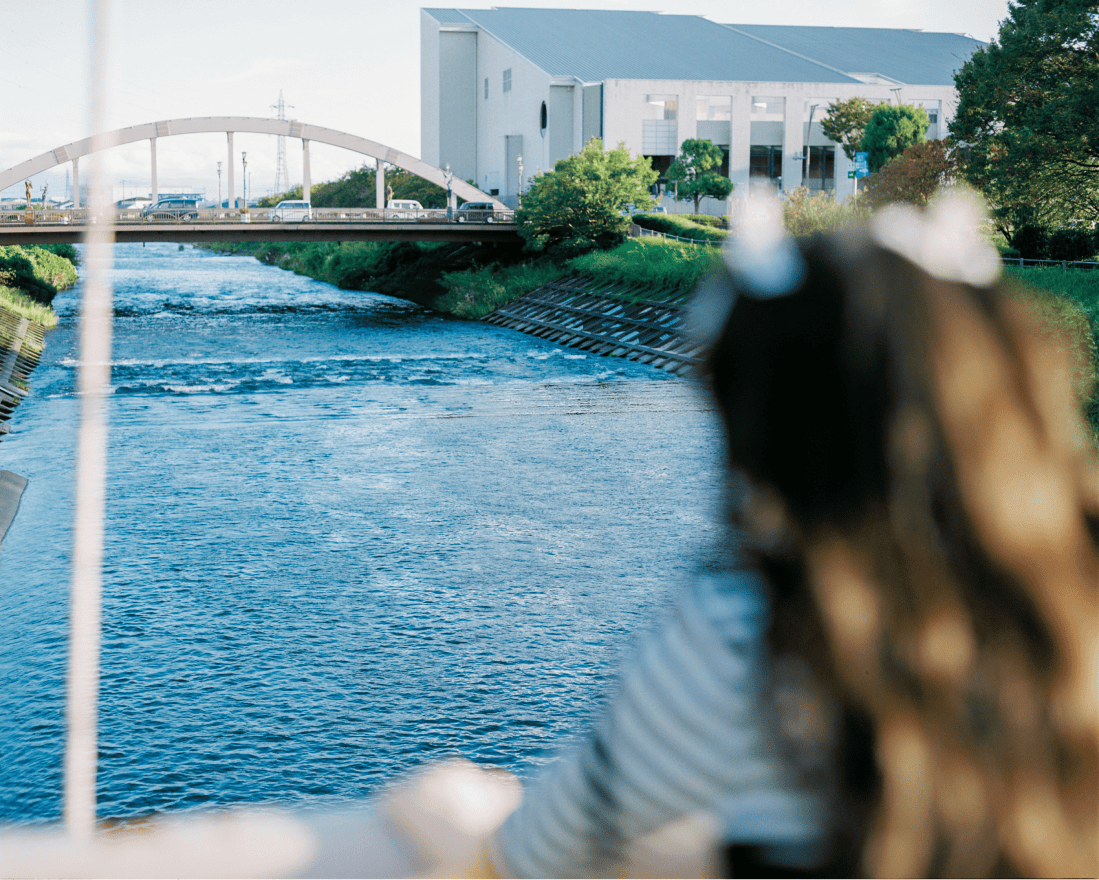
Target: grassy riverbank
point(31, 276)
point(469, 281)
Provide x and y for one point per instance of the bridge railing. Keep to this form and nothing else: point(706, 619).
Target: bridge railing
point(81, 216)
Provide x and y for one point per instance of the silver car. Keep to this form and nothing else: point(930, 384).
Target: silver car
point(291, 211)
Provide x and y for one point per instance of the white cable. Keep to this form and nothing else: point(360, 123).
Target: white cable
point(94, 376)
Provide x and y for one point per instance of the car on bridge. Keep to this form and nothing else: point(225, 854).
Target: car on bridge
point(291, 211)
point(476, 212)
point(171, 209)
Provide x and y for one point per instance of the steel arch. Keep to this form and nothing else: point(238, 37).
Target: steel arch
point(245, 124)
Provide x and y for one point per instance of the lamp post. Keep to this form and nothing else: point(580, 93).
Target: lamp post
point(520, 193)
point(244, 178)
point(219, 186)
point(449, 193)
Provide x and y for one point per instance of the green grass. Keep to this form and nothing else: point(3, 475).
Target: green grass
point(657, 268)
point(1068, 301)
point(19, 303)
point(473, 293)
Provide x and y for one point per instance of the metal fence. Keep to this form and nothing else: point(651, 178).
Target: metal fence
point(82, 216)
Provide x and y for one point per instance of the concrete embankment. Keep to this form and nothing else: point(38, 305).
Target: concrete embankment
point(21, 343)
point(616, 321)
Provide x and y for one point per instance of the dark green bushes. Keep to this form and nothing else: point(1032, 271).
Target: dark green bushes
point(679, 225)
point(1070, 243)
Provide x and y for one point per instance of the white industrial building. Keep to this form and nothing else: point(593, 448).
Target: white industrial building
point(503, 84)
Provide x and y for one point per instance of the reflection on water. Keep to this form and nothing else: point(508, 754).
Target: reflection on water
point(345, 536)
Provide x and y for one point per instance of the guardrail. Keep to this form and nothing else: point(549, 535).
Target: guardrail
point(81, 216)
point(1049, 264)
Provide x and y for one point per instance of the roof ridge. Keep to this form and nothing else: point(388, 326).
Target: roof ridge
point(788, 51)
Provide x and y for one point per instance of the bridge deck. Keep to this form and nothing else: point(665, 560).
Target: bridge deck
point(310, 231)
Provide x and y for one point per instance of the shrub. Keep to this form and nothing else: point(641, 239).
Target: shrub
point(575, 208)
point(37, 272)
point(1071, 244)
point(806, 214)
point(679, 225)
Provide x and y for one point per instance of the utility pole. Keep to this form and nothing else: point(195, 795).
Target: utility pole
point(282, 174)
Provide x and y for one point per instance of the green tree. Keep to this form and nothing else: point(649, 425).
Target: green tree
point(913, 176)
point(846, 122)
point(1027, 115)
point(578, 206)
point(891, 131)
point(356, 188)
point(695, 172)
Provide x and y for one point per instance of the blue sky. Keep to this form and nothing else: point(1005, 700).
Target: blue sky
point(351, 65)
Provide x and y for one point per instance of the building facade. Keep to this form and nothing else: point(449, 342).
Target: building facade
point(506, 93)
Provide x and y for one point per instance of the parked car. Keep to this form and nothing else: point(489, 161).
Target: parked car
point(403, 209)
point(476, 212)
point(291, 211)
point(171, 209)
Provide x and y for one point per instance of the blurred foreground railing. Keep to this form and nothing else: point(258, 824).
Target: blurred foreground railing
point(438, 823)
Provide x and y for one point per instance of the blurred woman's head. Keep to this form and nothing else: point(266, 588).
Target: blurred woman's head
point(924, 499)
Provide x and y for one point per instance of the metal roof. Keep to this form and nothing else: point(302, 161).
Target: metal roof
point(908, 56)
point(597, 45)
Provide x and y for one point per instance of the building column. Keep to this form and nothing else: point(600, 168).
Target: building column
point(379, 186)
point(740, 146)
point(306, 182)
point(230, 199)
point(76, 182)
point(793, 141)
point(152, 167)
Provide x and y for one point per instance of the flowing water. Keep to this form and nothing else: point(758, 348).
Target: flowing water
point(345, 536)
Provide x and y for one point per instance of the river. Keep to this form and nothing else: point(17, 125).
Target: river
point(345, 536)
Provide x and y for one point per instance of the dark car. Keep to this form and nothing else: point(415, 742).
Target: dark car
point(171, 209)
point(476, 212)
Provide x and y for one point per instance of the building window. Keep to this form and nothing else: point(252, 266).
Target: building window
point(659, 137)
point(507, 80)
point(822, 169)
point(765, 163)
point(486, 88)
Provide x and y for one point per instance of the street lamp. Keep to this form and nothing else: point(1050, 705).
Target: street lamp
point(219, 186)
point(244, 178)
point(520, 193)
point(449, 192)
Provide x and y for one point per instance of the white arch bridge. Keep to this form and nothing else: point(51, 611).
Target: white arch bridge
point(57, 226)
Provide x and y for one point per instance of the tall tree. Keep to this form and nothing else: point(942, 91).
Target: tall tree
point(1027, 115)
point(846, 122)
point(696, 172)
point(892, 130)
point(577, 206)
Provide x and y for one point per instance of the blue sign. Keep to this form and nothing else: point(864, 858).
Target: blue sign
point(861, 169)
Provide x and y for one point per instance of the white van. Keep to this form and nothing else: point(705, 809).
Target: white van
point(291, 211)
point(403, 209)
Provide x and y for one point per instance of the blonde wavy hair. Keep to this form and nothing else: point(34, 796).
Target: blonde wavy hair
point(924, 501)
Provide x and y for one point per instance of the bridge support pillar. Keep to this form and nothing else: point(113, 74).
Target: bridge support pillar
point(379, 186)
point(306, 181)
point(230, 165)
point(76, 182)
point(152, 166)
